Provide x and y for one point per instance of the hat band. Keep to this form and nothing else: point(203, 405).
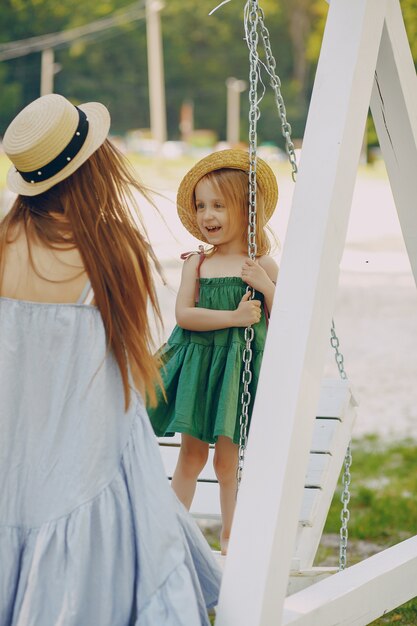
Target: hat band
point(64, 158)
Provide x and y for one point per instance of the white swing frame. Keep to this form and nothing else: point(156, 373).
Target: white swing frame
point(365, 59)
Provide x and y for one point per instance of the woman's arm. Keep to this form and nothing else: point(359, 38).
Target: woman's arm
point(195, 318)
point(261, 275)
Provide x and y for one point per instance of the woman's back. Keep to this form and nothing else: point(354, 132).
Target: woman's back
point(87, 523)
point(90, 532)
point(36, 272)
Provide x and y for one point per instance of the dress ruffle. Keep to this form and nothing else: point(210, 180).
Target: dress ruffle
point(202, 371)
point(91, 534)
point(203, 387)
point(105, 561)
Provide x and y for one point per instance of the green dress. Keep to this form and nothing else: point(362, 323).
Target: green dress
point(202, 371)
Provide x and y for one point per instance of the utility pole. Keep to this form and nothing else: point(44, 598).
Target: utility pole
point(234, 89)
point(47, 71)
point(156, 71)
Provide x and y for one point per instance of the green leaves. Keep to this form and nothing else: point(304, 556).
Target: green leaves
point(200, 53)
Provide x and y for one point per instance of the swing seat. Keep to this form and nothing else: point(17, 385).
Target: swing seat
point(336, 415)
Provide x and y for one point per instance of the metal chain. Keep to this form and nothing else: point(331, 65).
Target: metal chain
point(335, 343)
point(255, 17)
point(346, 478)
point(279, 100)
point(345, 513)
point(252, 248)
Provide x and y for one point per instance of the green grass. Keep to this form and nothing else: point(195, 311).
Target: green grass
point(384, 485)
point(383, 509)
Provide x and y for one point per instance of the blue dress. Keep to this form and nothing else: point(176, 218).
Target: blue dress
point(91, 534)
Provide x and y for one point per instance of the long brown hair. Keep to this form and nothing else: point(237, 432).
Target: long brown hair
point(234, 187)
point(97, 204)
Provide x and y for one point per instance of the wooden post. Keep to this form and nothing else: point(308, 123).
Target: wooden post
point(47, 72)
point(394, 110)
point(359, 594)
point(157, 108)
point(262, 542)
point(234, 89)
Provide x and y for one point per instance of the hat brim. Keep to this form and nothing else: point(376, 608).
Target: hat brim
point(98, 129)
point(224, 159)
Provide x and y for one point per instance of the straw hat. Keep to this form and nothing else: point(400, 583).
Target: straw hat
point(49, 140)
point(230, 159)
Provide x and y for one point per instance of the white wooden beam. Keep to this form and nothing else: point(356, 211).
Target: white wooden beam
point(260, 551)
point(359, 594)
point(394, 110)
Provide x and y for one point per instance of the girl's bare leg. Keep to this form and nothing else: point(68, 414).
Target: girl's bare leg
point(191, 460)
point(225, 466)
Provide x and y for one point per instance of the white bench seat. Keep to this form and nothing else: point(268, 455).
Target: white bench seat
point(336, 414)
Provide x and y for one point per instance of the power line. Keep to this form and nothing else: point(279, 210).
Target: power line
point(15, 49)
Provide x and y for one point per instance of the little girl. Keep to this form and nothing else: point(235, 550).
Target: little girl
point(203, 358)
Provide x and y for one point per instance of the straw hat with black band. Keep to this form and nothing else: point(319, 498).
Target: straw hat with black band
point(49, 140)
point(224, 159)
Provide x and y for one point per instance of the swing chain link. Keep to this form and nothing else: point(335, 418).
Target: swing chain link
point(345, 513)
point(346, 478)
point(279, 100)
point(335, 343)
point(252, 248)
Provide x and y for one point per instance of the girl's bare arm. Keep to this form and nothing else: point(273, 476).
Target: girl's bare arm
point(190, 317)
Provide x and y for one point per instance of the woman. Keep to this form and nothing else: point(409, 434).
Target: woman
point(90, 532)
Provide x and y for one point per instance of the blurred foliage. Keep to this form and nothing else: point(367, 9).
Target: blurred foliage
point(200, 53)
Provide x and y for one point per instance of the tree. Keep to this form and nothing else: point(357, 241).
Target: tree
point(201, 52)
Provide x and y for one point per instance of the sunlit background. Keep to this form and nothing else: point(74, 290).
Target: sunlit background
point(176, 82)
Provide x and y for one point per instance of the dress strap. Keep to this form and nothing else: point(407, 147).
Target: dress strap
point(87, 294)
point(186, 255)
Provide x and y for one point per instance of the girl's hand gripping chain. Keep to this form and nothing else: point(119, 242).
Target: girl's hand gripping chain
point(248, 312)
point(259, 278)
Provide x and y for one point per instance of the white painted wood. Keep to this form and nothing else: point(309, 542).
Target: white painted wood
point(255, 578)
point(394, 110)
point(359, 594)
point(310, 504)
point(324, 434)
point(170, 455)
point(334, 398)
point(330, 439)
point(301, 580)
point(298, 580)
point(318, 467)
point(308, 541)
point(254, 587)
point(206, 503)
